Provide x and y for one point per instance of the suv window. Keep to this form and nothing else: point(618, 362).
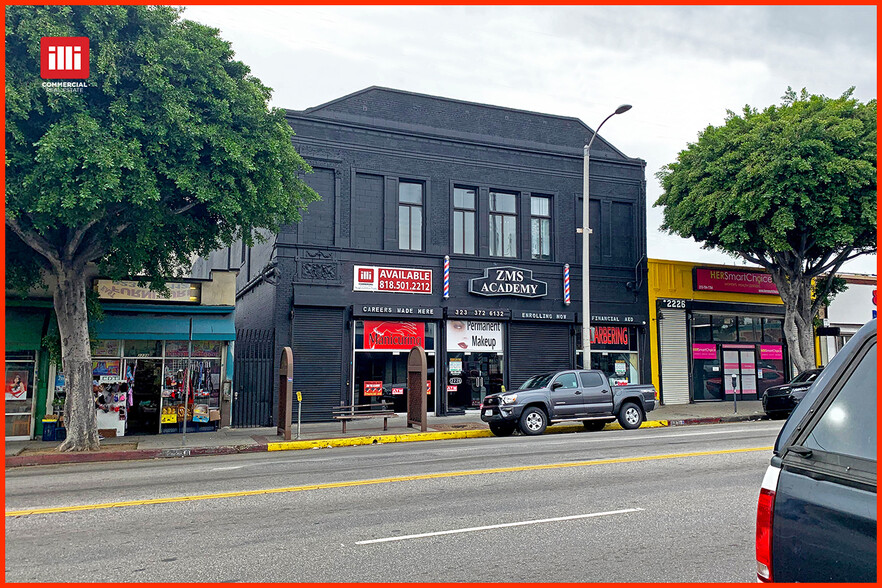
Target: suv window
point(591, 380)
point(568, 381)
point(848, 426)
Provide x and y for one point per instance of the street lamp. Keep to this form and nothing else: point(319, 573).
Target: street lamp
point(586, 231)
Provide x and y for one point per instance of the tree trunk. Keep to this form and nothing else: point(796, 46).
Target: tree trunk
point(798, 326)
point(73, 327)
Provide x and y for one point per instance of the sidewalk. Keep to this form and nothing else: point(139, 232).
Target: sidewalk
point(322, 435)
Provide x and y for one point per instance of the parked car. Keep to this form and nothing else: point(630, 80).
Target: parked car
point(779, 401)
point(570, 395)
point(816, 514)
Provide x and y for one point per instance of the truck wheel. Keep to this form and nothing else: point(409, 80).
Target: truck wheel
point(630, 416)
point(533, 421)
point(501, 430)
point(594, 425)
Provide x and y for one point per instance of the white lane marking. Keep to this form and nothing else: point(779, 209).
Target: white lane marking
point(518, 524)
point(227, 468)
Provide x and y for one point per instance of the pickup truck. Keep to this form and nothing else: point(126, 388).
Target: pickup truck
point(569, 395)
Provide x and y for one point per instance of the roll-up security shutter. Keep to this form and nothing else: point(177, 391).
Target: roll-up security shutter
point(318, 355)
point(674, 359)
point(536, 349)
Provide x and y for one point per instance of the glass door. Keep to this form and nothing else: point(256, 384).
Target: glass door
point(739, 373)
point(20, 395)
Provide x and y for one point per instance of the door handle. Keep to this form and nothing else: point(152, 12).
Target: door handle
point(578, 391)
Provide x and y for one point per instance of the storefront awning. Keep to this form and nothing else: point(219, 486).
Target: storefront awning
point(24, 328)
point(206, 327)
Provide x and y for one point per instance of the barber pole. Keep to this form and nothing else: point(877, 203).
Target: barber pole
point(446, 276)
point(567, 284)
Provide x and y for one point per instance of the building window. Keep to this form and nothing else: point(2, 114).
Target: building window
point(464, 221)
point(410, 216)
point(724, 328)
point(540, 227)
point(773, 330)
point(701, 328)
point(503, 225)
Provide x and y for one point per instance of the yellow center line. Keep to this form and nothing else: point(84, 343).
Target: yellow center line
point(329, 485)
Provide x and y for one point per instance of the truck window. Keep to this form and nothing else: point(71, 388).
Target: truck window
point(591, 380)
point(568, 380)
point(848, 427)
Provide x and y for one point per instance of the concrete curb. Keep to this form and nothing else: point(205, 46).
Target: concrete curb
point(712, 420)
point(127, 455)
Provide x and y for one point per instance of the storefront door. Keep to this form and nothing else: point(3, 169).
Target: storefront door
point(20, 395)
point(739, 373)
point(474, 363)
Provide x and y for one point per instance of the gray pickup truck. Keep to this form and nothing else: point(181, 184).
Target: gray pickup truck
point(570, 395)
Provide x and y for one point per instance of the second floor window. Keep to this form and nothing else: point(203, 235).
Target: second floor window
point(503, 224)
point(540, 227)
point(464, 221)
point(410, 216)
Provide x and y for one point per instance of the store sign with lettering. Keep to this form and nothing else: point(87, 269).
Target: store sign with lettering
point(474, 336)
point(743, 282)
point(374, 388)
point(508, 281)
point(536, 315)
point(130, 290)
point(771, 352)
point(394, 335)
point(608, 337)
point(392, 279)
point(704, 351)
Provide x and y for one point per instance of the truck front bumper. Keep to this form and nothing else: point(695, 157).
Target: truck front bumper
point(501, 414)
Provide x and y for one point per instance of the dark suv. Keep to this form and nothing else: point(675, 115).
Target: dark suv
point(816, 517)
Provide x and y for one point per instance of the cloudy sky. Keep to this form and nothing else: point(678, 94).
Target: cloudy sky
point(680, 67)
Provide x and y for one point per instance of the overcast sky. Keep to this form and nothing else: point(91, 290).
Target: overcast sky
point(680, 67)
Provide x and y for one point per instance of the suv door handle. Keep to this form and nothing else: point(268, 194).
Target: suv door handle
point(578, 391)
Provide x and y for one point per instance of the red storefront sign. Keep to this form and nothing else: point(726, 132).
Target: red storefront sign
point(743, 282)
point(374, 388)
point(617, 336)
point(392, 279)
point(393, 335)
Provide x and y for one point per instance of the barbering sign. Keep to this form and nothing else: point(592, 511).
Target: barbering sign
point(392, 279)
point(508, 281)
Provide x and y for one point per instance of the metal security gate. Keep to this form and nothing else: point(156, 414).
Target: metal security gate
point(253, 379)
point(318, 359)
point(536, 349)
point(673, 355)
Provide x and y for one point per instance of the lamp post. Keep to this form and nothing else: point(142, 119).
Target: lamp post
point(586, 232)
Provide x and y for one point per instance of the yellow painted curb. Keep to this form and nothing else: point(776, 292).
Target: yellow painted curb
point(377, 439)
point(433, 436)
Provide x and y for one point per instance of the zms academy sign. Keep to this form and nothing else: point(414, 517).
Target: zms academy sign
point(508, 281)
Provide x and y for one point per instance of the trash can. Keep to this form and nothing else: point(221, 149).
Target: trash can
point(49, 429)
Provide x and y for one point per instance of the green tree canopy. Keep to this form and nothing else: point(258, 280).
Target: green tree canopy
point(791, 188)
point(170, 150)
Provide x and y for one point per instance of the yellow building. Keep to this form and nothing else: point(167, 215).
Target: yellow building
point(715, 331)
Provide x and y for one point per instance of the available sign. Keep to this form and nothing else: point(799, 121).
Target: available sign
point(392, 279)
point(474, 336)
point(744, 282)
point(508, 281)
point(395, 336)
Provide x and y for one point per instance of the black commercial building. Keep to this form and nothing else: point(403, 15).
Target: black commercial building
point(412, 184)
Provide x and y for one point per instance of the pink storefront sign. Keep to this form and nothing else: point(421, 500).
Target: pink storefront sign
point(723, 280)
point(704, 351)
point(771, 352)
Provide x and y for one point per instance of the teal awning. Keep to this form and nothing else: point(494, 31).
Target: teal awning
point(206, 327)
point(24, 328)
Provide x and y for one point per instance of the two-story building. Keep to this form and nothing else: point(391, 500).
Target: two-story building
point(453, 226)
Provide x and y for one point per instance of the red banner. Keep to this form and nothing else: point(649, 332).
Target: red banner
point(396, 336)
point(720, 280)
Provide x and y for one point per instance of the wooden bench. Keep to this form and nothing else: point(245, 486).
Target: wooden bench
point(354, 412)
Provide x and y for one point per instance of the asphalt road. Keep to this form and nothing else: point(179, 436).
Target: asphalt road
point(652, 505)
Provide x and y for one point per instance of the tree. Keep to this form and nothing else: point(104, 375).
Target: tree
point(170, 150)
point(791, 188)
